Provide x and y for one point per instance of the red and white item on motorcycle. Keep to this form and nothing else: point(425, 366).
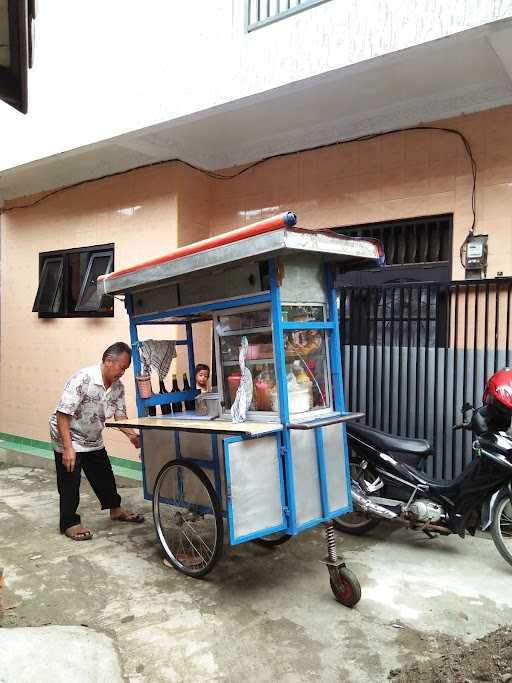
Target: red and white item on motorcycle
point(498, 392)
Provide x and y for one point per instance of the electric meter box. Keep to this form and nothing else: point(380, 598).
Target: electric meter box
point(476, 253)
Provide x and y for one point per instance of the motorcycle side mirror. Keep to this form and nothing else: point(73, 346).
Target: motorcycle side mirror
point(466, 407)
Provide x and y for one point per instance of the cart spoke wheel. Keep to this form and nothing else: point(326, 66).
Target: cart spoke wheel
point(273, 539)
point(345, 586)
point(188, 518)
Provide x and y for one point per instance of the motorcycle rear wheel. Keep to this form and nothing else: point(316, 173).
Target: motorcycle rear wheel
point(357, 523)
point(501, 528)
point(273, 539)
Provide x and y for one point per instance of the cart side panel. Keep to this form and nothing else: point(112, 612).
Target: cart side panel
point(195, 445)
point(308, 500)
point(336, 469)
point(158, 448)
point(255, 486)
point(155, 299)
point(203, 449)
point(304, 279)
point(228, 283)
point(220, 484)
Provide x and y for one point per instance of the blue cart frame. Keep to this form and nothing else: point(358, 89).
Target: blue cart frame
point(324, 436)
point(331, 326)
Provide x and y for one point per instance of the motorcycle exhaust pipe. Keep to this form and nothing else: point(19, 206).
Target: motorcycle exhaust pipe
point(365, 504)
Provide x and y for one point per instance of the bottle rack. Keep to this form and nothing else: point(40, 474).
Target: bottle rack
point(169, 397)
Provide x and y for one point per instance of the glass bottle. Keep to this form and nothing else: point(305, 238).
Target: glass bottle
point(177, 407)
point(190, 404)
point(165, 407)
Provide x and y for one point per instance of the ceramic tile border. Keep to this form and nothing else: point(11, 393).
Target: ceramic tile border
point(43, 449)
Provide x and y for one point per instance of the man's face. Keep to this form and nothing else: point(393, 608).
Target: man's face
point(115, 367)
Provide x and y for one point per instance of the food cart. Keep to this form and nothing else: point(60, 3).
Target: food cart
point(269, 459)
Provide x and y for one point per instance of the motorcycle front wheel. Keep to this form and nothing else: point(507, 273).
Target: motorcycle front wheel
point(501, 528)
point(357, 523)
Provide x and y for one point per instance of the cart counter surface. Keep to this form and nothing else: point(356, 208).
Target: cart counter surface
point(219, 426)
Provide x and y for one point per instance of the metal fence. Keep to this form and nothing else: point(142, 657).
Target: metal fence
point(414, 353)
point(260, 13)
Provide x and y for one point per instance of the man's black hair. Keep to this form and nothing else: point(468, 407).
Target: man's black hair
point(115, 350)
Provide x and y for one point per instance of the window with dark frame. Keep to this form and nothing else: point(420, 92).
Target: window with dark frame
point(49, 293)
point(68, 283)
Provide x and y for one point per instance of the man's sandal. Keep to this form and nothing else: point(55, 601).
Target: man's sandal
point(78, 533)
point(132, 517)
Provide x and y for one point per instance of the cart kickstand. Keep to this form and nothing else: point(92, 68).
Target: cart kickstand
point(344, 583)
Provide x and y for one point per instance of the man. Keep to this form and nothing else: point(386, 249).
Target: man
point(90, 397)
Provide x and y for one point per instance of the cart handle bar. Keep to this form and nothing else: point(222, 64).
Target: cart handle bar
point(283, 220)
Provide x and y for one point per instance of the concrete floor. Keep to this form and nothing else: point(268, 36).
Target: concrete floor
point(259, 616)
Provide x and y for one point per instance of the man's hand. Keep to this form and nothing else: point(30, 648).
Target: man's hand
point(69, 458)
point(135, 440)
point(130, 434)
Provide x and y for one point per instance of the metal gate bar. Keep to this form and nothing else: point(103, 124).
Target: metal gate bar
point(415, 352)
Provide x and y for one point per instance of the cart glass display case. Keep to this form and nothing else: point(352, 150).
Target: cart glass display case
point(307, 364)
point(307, 373)
point(307, 361)
point(303, 313)
point(255, 324)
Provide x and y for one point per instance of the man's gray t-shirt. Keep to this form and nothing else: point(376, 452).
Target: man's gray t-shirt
point(89, 404)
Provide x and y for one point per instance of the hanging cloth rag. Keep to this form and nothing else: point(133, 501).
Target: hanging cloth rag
point(243, 396)
point(157, 354)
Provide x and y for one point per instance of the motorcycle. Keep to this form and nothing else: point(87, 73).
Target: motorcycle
point(387, 484)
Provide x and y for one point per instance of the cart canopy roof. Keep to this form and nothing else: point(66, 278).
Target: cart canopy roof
point(271, 237)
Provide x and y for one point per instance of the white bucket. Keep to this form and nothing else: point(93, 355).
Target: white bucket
point(299, 401)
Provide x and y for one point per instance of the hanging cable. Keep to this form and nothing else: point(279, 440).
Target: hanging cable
point(226, 177)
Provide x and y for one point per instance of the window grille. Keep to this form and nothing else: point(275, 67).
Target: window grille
point(419, 240)
point(395, 305)
point(68, 283)
point(260, 13)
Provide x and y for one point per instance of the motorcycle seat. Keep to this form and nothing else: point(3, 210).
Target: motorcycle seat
point(441, 485)
point(389, 442)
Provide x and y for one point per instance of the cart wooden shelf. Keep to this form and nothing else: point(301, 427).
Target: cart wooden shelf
point(252, 429)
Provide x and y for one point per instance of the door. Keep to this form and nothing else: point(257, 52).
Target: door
point(255, 487)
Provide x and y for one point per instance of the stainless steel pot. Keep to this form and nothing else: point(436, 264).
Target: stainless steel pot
point(208, 404)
